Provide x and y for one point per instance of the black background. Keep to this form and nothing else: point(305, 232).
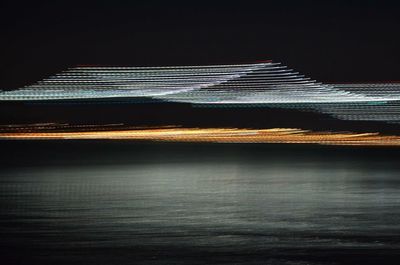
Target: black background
point(331, 41)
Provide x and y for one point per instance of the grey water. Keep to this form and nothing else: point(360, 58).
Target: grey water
point(94, 202)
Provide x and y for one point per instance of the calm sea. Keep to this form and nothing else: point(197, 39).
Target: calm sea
point(96, 202)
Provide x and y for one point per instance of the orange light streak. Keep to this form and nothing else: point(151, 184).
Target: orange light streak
point(217, 135)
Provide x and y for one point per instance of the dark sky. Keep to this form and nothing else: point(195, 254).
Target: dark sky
point(332, 41)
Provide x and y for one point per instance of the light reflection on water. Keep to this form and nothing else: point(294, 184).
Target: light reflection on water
point(116, 203)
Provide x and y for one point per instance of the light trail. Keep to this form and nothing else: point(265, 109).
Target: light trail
point(216, 135)
point(267, 83)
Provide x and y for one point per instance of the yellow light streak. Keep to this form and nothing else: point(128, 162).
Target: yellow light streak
point(216, 135)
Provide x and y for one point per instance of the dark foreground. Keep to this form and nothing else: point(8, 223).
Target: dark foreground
point(126, 203)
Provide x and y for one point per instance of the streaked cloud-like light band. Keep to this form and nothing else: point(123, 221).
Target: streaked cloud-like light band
point(268, 84)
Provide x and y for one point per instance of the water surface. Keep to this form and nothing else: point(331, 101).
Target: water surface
point(125, 203)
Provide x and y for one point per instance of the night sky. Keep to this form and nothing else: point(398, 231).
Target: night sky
point(331, 41)
point(136, 202)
